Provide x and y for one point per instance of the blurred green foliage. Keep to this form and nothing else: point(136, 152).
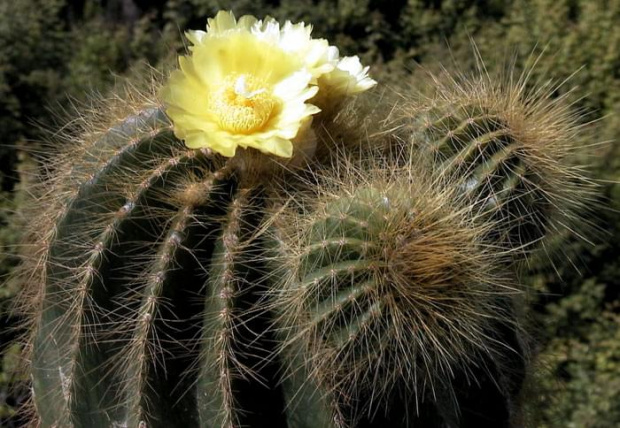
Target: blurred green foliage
point(53, 52)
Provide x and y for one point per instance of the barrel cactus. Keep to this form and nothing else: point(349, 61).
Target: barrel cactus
point(512, 147)
point(389, 295)
point(231, 249)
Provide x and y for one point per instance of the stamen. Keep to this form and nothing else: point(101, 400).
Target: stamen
point(243, 104)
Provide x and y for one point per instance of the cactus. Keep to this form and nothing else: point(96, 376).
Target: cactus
point(177, 287)
point(391, 299)
point(151, 273)
point(147, 277)
point(502, 160)
point(511, 145)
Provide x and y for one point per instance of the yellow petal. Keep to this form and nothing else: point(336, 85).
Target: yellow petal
point(222, 22)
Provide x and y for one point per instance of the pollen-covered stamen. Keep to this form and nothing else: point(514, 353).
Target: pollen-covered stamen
point(243, 104)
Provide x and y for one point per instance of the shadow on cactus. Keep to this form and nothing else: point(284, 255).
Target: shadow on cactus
point(234, 250)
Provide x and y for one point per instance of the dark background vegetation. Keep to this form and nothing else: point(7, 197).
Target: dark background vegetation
point(54, 52)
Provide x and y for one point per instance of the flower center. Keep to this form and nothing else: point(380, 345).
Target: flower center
point(242, 105)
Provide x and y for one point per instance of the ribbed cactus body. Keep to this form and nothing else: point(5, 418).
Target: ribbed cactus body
point(152, 278)
point(390, 298)
point(509, 152)
point(511, 146)
point(496, 169)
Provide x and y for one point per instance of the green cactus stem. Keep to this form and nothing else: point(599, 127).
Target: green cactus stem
point(390, 297)
point(512, 150)
point(152, 277)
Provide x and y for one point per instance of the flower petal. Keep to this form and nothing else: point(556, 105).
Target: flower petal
point(222, 22)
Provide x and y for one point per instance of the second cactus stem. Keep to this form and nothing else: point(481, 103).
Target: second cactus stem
point(392, 300)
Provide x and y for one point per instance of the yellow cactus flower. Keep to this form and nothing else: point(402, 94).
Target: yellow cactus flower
point(247, 83)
